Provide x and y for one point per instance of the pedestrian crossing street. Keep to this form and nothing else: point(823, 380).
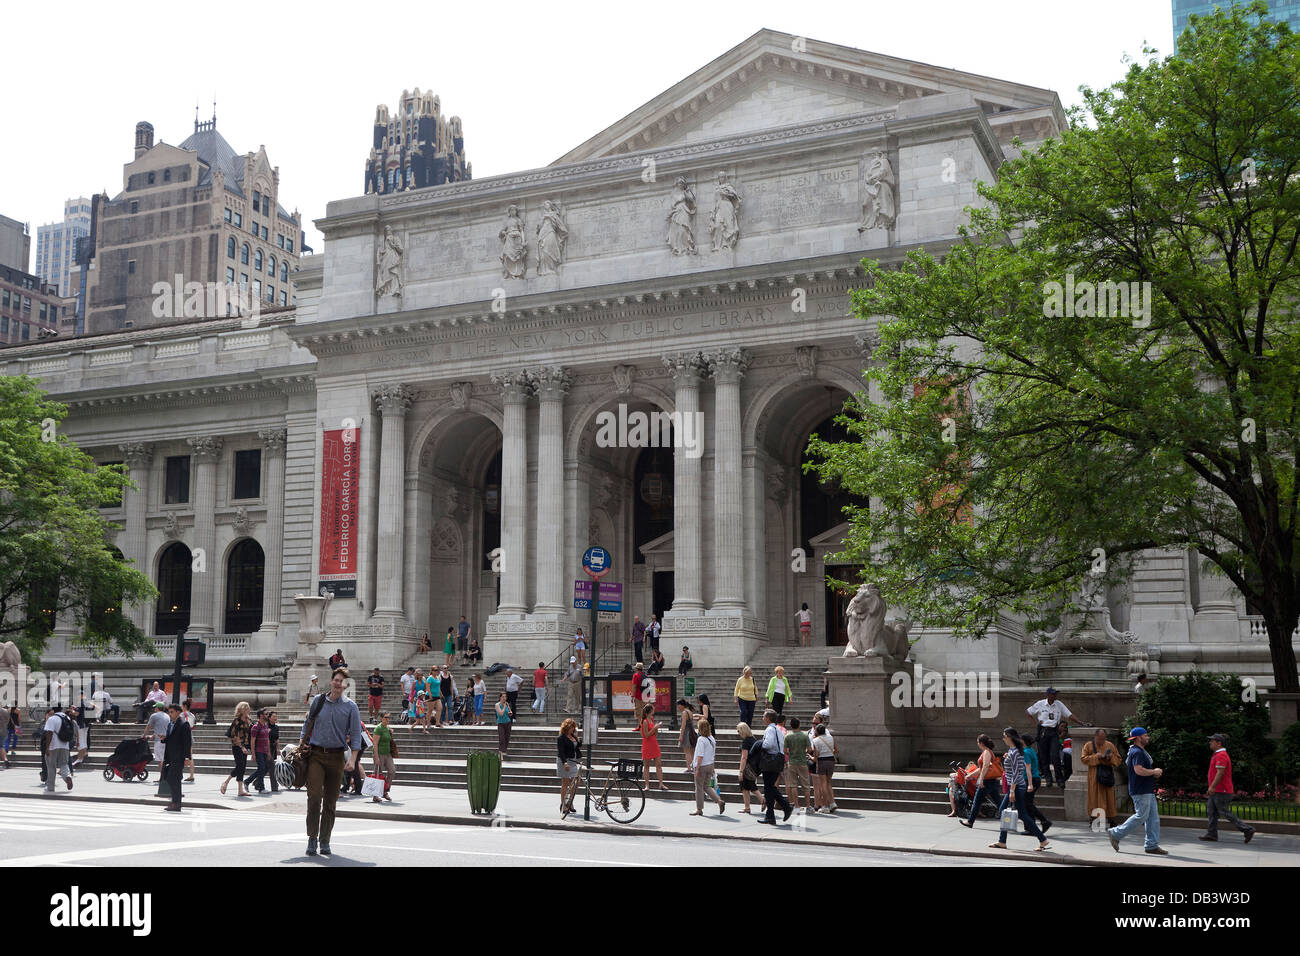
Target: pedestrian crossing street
point(52, 813)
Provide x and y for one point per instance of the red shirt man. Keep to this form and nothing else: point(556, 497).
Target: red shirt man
point(539, 677)
point(1221, 760)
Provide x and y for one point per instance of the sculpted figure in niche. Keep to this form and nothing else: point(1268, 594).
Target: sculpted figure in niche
point(724, 222)
point(681, 220)
point(389, 262)
point(879, 208)
point(552, 234)
point(514, 245)
point(869, 635)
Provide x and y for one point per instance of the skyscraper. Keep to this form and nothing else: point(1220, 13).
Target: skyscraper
point(1287, 11)
point(416, 146)
point(56, 242)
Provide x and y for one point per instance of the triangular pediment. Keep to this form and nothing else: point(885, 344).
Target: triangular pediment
point(773, 80)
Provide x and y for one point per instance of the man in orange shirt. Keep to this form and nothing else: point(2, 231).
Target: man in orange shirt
point(1219, 795)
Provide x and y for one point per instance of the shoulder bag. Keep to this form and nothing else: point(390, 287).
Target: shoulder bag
point(304, 748)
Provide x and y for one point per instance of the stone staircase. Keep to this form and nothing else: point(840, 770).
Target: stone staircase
point(438, 760)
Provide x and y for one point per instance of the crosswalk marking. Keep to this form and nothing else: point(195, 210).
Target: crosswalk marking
point(32, 816)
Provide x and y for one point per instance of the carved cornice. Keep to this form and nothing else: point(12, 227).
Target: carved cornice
point(189, 395)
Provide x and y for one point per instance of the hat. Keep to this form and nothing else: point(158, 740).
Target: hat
point(314, 677)
point(1051, 690)
point(1219, 737)
point(573, 660)
point(1136, 732)
point(159, 705)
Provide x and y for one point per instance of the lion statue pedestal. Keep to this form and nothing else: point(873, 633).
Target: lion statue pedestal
point(872, 734)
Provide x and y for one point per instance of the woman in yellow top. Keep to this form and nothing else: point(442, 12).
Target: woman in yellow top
point(778, 690)
point(746, 695)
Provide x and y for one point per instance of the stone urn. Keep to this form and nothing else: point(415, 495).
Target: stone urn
point(311, 617)
point(311, 632)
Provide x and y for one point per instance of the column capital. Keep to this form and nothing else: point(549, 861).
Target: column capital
point(515, 386)
point(136, 454)
point(205, 447)
point(393, 399)
point(727, 366)
point(551, 382)
point(273, 440)
point(687, 368)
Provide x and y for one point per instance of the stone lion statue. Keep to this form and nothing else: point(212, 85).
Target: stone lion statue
point(869, 634)
point(10, 658)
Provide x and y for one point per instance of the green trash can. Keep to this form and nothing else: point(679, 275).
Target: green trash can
point(688, 687)
point(483, 779)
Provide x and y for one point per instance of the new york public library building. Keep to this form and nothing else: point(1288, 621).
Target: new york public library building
point(437, 394)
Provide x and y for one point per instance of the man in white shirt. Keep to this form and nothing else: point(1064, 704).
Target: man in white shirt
point(513, 683)
point(157, 730)
point(408, 681)
point(1049, 713)
point(59, 732)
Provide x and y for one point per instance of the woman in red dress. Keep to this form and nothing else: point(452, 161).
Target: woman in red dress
point(650, 745)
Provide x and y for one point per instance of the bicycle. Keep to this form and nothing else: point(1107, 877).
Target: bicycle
point(623, 797)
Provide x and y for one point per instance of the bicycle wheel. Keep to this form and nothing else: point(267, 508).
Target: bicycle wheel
point(624, 800)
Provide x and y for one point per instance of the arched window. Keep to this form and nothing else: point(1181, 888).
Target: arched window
point(42, 599)
point(284, 271)
point(243, 254)
point(173, 611)
point(230, 247)
point(257, 260)
point(244, 575)
point(270, 268)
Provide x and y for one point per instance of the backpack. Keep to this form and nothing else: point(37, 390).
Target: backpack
point(65, 729)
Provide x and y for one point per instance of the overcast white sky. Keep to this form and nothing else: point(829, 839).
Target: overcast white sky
point(529, 80)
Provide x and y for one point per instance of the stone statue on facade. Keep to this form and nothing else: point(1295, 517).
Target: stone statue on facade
point(552, 234)
point(514, 245)
point(681, 220)
point(869, 634)
point(879, 205)
point(724, 222)
point(388, 260)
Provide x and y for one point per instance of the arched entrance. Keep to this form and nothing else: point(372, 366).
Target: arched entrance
point(105, 611)
point(245, 573)
point(172, 613)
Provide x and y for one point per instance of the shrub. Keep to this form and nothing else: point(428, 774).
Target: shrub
point(1180, 713)
point(1289, 753)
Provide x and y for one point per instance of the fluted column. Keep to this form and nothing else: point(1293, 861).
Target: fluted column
point(552, 384)
point(728, 368)
point(135, 509)
point(687, 369)
point(273, 440)
point(515, 389)
point(393, 401)
point(206, 452)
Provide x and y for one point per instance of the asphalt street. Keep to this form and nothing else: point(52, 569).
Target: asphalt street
point(58, 831)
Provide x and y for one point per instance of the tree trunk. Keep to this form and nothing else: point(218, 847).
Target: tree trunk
point(1280, 626)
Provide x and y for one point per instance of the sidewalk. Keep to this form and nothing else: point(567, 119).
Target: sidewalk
point(1072, 843)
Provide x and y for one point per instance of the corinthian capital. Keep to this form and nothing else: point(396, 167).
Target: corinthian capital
point(552, 382)
point(136, 454)
point(205, 447)
point(515, 386)
point(687, 368)
point(393, 399)
point(273, 440)
point(728, 365)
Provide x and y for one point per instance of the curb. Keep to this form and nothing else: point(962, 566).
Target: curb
point(499, 821)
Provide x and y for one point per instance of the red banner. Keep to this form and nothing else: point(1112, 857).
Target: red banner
point(339, 503)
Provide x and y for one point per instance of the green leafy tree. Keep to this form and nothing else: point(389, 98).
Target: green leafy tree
point(1180, 713)
point(1028, 449)
point(54, 557)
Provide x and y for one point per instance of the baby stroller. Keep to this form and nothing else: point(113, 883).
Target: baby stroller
point(130, 760)
point(461, 710)
point(964, 783)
